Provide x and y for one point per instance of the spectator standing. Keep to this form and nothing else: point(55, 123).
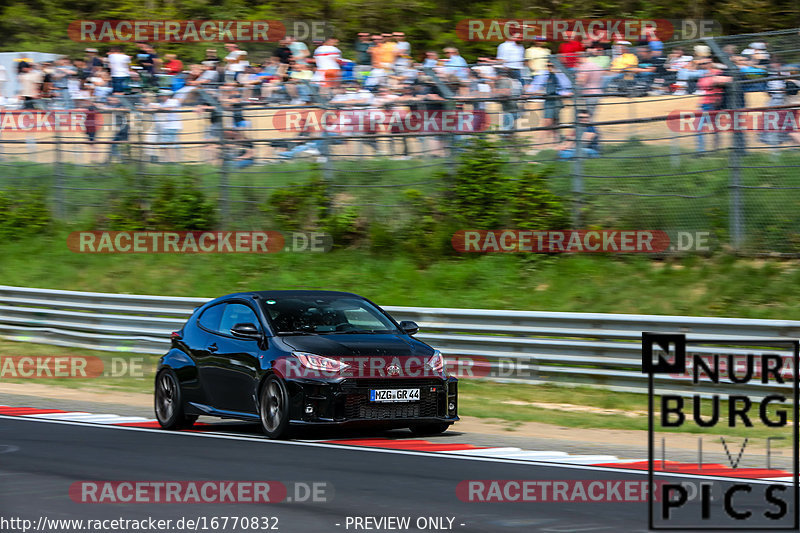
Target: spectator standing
point(402, 50)
point(511, 54)
point(431, 59)
point(119, 120)
point(149, 61)
point(172, 66)
point(455, 65)
point(60, 75)
point(119, 65)
point(537, 56)
point(553, 87)
point(234, 61)
point(569, 51)
point(46, 90)
point(92, 59)
point(328, 59)
point(283, 52)
point(300, 53)
point(382, 53)
point(168, 124)
point(713, 87)
point(776, 89)
point(654, 43)
point(389, 50)
point(508, 89)
point(30, 81)
point(589, 77)
point(361, 47)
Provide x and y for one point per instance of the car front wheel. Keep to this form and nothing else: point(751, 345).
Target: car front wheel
point(274, 408)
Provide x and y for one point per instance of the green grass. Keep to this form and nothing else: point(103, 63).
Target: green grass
point(633, 186)
point(702, 286)
point(115, 372)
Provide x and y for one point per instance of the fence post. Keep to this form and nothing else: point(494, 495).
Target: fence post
point(58, 171)
point(736, 218)
point(577, 162)
point(224, 200)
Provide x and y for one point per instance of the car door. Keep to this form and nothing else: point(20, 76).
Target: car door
point(237, 363)
point(203, 348)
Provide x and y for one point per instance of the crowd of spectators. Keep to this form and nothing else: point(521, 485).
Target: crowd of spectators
point(383, 70)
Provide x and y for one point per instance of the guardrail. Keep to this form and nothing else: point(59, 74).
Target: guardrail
point(575, 348)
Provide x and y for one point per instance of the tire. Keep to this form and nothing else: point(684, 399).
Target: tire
point(434, 428)
point(169, 402)
point(273, 408)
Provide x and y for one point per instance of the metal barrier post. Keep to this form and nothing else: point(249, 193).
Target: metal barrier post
point(736, 219)
point(577, 162)
point(58, 172)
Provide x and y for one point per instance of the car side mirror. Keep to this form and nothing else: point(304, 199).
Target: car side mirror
point(409, 327)
point(246, 331)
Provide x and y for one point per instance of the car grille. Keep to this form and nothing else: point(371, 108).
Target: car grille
point(357, 404)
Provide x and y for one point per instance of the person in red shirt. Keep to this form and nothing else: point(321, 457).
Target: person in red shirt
point(713, 87)
point(173, 65)
point(569, 52)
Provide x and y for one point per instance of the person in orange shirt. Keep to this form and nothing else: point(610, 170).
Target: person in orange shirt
point(384, 52)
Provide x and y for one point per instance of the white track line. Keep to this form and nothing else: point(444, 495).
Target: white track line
point(267, 442)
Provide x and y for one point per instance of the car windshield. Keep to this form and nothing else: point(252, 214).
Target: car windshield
point(314, 315)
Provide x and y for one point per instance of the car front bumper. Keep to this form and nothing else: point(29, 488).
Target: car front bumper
point(346, 401)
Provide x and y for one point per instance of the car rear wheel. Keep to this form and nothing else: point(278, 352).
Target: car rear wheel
point(429, 429)
point(168, 402)
point(274, 408)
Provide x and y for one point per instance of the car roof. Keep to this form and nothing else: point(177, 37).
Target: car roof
point(285, 294)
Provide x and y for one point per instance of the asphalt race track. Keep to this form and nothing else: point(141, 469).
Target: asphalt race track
point(48, 457)
point(40, 460)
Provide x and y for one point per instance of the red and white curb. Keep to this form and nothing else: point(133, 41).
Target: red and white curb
point(421, 445)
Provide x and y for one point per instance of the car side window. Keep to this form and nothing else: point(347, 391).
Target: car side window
point(211, 317)
point(237, 314)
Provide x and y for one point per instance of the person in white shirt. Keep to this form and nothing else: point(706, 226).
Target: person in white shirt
point(328, 58)
point(403, 50)
point(235, 61)
point(119, 64)
point(168, 124)
point(512, 55)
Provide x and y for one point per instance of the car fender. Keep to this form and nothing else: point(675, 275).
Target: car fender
point(183, 365)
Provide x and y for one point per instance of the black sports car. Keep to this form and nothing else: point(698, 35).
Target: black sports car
point(290, 358)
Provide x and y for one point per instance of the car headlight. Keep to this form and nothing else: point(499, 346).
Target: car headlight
point(318, 362)
point(436, 362)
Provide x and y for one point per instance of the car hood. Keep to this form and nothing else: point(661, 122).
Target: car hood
point(378, 344)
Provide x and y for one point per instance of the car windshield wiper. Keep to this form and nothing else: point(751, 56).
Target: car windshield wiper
point(298, 332)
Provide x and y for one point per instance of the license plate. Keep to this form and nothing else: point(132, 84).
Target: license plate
point(394, 395)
